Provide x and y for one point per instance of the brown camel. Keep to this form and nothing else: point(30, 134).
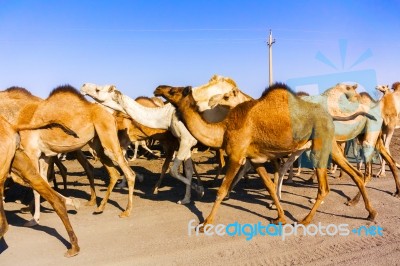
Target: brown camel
point(248, 133)
point(93, 124)
point(17, 161)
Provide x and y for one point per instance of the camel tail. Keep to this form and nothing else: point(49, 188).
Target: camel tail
point(353, 116)
point(47, 124)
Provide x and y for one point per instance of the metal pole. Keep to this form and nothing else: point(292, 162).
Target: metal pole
point(270, 43)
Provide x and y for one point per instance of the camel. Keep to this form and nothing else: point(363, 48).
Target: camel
point(390, 109)
point(94, 126)
point(159, 118)
point(230, 100)
point(15, 159)
point(13, 101)
point(246, 133)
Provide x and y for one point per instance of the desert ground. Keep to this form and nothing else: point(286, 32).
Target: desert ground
point(157, 230)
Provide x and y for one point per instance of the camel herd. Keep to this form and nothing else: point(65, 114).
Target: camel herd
point(278, 128)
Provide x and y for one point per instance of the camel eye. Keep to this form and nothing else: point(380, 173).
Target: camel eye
point(97, 90)
point(226, 98)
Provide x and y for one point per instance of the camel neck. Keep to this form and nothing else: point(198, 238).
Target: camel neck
point(153, 117)
point(210, 134)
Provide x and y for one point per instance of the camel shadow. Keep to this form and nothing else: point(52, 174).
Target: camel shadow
point(15, 220)
point(3, 245)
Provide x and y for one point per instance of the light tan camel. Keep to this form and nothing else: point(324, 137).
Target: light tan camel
point(390, 108)
point(14, 159)
point(94, 126)
point(14, 101)
point(247, 133)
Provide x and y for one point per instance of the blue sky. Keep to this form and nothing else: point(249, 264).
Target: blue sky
point(138, 45)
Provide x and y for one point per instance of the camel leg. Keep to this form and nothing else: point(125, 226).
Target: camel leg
point(135, 151)
point(51, 175)
point(293, 157)
point(90, 174)
point(112, 172)
point(356, 175)
point(243, 170)
point(3, 220)
point(221, 163)
point(367, 178)
point(260, 169)
point(7, 158)
point(63, 171)
point(112, 149)
point(392, 164)
point(168, 158)
point(188, 168)
point(43, 167)
point(23, 167)
point(323, 190)
point(233, 168)
point(388, 139)
point(175, 173)
point(298, 173)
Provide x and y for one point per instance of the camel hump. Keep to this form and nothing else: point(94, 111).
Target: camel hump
point(66, 90)
point(18, 90)
point(277, 86)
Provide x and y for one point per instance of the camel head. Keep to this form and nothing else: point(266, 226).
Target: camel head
point(396, 86)
point(383, 88)
point(217, 85)
point(107, 95)
point(172, 94)
point(229, 100)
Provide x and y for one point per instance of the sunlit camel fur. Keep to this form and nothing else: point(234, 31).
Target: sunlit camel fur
point(15, 101)
point(159, 118)
point(13, 158)
point(247, 134)
point(94, 126)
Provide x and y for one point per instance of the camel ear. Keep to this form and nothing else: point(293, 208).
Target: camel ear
point(187, 90)
point(355, 86)
point(214, 77)
point(111, 88)
point(235, 92)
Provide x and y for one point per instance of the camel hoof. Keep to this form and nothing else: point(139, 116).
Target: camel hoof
point(278, 221)
point(371, 217)
point(352, 202)
point(272, 206)
point(184, 201)
point(201, 227)
point(396, 195)
point(71, 252)
point(124, 214)
point(76, 203)
point(31, 223)
point(288, 181)
point(155, 191)
point(99, 210)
